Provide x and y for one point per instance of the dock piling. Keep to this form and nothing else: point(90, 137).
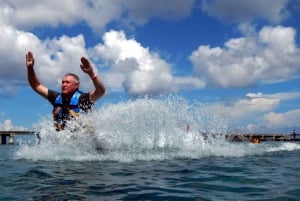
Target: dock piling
point(11, 138)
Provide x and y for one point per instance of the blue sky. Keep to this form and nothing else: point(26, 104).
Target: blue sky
point(239, 57)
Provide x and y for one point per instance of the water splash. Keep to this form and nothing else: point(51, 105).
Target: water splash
point(144, 129)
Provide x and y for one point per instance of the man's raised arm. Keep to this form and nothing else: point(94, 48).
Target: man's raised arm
point(32, 78)
point(99, 90)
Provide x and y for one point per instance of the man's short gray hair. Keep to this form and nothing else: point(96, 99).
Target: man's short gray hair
point(76, 78)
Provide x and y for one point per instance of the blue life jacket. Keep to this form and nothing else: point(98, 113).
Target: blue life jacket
point(65, 111)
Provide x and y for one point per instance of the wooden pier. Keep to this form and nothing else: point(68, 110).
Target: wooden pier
point(11, 134)
point(256, 138)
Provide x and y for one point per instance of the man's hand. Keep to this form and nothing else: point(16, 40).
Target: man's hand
point(86, 66)
point(29, 59)
point(99, 86)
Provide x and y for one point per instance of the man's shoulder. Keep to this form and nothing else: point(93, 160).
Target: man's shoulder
point(85, 101)
point(84, 96)
point(52, 95)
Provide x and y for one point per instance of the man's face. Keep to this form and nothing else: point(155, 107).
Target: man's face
point(68, 85)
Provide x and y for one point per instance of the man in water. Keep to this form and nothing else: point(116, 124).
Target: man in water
point(68, 103)
point(294, 134)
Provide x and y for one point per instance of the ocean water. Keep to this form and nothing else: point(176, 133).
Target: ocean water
point(141, 150)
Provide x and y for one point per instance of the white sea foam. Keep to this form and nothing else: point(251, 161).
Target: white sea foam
point(144, 129)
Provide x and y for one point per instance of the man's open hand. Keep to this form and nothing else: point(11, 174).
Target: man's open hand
point(86, 66)
point(29, 59)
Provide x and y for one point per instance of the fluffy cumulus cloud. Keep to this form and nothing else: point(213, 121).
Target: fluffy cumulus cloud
point(132, 66)
point(245, 109)
point(53, 57)
point(143, 71)
point(31, 14)
point(27, 14)
point(7, 125)
point(285, 119)
point(249, 60)
point(13, 44)
point(240, 11)
point(97, 14)
point(243, 62)
point(256, 110)
point(139, 11)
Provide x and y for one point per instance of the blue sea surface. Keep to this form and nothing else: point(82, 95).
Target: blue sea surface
point(146, 153)
point(269, 176)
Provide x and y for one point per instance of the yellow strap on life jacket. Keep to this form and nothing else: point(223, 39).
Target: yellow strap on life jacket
point(56, 111)
point(58, 126)
point(73, 114)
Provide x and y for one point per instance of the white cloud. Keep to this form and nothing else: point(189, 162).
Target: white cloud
point(53, 58)
point(145, 72)
point(286, 119)
point(97, 14)
point(257, 110)
point(133, 67)
point(29, 14)
point(60, 56)
point(243, 62)
point(241, 11)
point(250, 60)
point(8, 125)
point(286, 96)
point(245, 109)
point(13, 46)
point(189, 83)
point(141, 10)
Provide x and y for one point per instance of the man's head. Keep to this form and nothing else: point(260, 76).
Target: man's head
point(69, 84)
